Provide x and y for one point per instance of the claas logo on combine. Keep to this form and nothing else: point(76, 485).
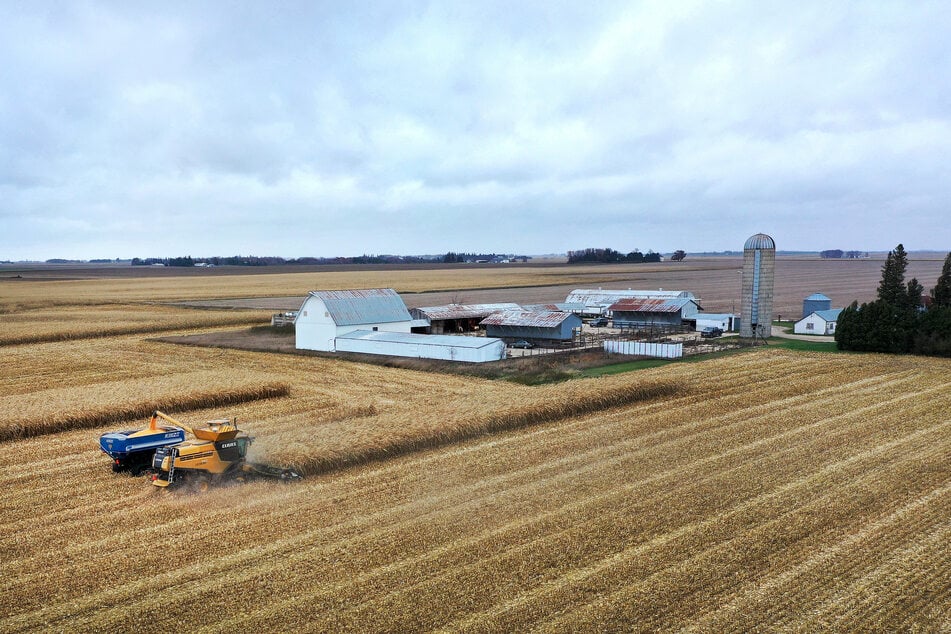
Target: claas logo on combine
point(228, 444)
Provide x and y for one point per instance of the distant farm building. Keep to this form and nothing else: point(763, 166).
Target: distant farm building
point(815, 303)
point(326, 315)
point(458, 317)
point(547, 326)
point(727, 322)
point(597, 302)
point(446, 347)
point(820, 322)
point(641, 313)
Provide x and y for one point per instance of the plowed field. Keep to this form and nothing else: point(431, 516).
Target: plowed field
point(773, 490)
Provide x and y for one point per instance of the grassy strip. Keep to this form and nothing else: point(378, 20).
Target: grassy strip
point(70, 420)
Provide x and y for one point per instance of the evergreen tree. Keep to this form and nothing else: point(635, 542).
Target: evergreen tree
point(941, 293)
point(892, 287)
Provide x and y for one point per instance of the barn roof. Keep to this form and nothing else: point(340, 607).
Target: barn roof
point(562, 306)
point(634, 305)
point(457, 341)
point(542, 318)
point(363, 306)
point(463, 311)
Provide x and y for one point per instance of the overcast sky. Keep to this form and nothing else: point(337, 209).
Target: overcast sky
point(343, 128)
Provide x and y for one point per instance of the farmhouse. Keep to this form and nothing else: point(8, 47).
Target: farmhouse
point(639, 313)
point(547, 326)
point(596, 302)
point(458, 317)
point(446, 347)
point(326, 315)
point(820, 322)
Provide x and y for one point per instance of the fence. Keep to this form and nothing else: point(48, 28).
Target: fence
point(645, 349)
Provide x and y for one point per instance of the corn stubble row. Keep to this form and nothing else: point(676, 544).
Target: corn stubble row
point(767, 490)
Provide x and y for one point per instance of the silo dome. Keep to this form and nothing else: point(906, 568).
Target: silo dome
point(760, 241)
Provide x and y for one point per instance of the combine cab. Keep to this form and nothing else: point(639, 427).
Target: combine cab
point(218, 451)
point(132, 450)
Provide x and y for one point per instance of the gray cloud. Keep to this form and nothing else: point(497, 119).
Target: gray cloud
point(327, 129)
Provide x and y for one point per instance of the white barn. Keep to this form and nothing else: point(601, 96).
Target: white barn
point(820, 322)
point(326, 315)
point(446, 347)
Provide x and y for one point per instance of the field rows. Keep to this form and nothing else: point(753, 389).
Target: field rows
point(771, 492)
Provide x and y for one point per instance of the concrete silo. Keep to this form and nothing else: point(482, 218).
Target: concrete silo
point(759, 266)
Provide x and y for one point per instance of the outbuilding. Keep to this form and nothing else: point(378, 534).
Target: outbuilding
point(820, 322)
point(597, 302)
point(647, 313)
point(447, 347)
point(326, 315)
point(727, 322)
point(545, 326)
point(458, 317)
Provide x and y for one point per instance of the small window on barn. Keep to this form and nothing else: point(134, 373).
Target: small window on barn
point(809, 325)
point(375, 328)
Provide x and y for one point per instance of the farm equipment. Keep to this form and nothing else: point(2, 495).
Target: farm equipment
point(133, 449)
point(219, 451)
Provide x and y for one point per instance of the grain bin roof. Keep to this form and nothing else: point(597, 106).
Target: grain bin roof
point(542, 318)
point(463, 311)
point(457, 341)
point(817, 297)
point(634, 305)
point(364, 306)
point(760, 241)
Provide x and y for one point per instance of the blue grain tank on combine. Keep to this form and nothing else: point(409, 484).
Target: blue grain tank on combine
point(133, 449)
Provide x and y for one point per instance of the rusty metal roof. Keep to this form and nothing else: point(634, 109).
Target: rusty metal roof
point(632, 305)
point(462, 311)
point(364, 306)
point(542, 318)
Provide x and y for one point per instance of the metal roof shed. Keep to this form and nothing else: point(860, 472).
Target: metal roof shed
point(662, 312)
point(446, 347)
point(521, 324)
point(597, 301)
point(326, 315)
point(458, 317)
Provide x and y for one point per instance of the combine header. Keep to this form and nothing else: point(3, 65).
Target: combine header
point(218, 452)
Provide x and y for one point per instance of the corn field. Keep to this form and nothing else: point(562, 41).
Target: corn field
point(768, 490)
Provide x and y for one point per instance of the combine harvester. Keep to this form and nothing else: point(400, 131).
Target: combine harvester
point(218, 452)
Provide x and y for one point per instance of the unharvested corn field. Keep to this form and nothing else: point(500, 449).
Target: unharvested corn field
point(769, 490)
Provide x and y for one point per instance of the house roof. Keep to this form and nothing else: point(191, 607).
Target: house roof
point(634, 305)
point(829, 315)
point(457, 341)
point(463, 311)
point(363, 306)
point(541, 318)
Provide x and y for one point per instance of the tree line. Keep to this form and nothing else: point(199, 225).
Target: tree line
point(903, 319)
point(611, 256)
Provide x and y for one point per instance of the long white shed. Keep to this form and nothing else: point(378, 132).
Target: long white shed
point(399, 344)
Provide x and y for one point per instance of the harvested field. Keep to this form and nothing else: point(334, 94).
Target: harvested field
point(86, 322)
point(777, 490)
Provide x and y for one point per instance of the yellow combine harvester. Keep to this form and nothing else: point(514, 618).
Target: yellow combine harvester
point(218, 451)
